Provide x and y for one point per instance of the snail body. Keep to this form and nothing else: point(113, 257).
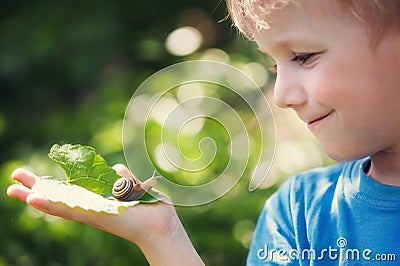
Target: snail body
point(130, 188)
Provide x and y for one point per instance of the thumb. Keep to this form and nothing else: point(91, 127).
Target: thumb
point(123, 171)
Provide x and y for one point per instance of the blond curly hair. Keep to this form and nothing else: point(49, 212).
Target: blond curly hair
point(250, 16)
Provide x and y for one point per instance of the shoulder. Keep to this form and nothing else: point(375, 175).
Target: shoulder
point(315, 179)
point(312, 180)
point(318, 178)
point(315, 185)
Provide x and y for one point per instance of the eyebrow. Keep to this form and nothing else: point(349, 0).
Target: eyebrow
point(294, 43)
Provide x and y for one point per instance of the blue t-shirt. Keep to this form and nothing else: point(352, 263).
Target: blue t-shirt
point(334, 215)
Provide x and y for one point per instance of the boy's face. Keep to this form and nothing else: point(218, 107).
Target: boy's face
point(344, 89)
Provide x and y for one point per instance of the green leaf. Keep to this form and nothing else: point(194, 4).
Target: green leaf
point(77, 196)
point(89, 181)
point(85, 168)
point(153, 197)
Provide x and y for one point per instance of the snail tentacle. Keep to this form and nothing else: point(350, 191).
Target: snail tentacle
point(146, 185)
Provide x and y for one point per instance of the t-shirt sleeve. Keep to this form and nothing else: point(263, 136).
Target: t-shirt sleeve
point(274, 235)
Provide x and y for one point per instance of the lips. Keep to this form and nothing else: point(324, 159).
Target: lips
point(315, 121)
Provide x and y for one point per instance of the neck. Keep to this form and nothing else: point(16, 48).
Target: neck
point(385, 168)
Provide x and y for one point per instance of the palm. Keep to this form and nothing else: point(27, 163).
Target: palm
point(135, 223)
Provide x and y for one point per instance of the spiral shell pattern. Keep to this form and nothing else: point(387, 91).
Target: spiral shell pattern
point(203, 125)
point(123, 188)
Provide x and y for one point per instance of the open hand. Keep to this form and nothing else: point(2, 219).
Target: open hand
point(155, 227)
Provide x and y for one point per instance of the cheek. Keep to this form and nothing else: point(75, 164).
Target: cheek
point(340, 80)
point(326, 88)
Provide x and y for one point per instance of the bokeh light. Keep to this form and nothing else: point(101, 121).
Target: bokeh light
point(183, 41)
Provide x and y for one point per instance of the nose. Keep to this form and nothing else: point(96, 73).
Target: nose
point(289, 91)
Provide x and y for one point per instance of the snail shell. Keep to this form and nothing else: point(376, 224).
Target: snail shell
point(129, 189)
point(124, 189)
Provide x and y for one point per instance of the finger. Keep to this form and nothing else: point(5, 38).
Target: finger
point(122, 170)
point(66, 212)
point(24, 176)
point(47, 206)
point(18, 191)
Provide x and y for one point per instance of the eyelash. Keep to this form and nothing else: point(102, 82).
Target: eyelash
point(301, 59)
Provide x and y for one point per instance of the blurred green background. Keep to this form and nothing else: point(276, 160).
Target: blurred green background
point(67, 72)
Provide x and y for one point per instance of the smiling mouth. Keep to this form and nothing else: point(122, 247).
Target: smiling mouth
point(319, 119)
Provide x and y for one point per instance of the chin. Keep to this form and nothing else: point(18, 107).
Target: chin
point(344, 155)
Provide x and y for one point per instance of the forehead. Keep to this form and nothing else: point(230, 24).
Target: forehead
point(301, 21)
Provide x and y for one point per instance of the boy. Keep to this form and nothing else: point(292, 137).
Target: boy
point(336, 63)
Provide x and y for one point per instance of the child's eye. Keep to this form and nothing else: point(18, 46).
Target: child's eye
point(302, 59)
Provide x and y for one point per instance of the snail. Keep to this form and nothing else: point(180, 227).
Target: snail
point(130, 188)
